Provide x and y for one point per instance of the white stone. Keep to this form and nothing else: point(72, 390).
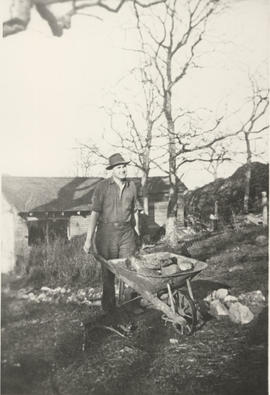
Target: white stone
point(236, 268)
point(240, 314)
point(217, 308)
point(96, 303)
point(218, 294)
point(230, 299)
point(45, 289)
point(221, 293)
point(81, 294)
point(42, 297)
point(213, 295)
point(208, 298)
point(173, 341)
point(127, 349)
point(49, 299)
point(72, 299)
point(185, 266)
point(252, 297)
point(87, 302)
point(53, 291)
point(163, 296)
point(169, 270)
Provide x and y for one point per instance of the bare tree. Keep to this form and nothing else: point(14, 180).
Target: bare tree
point(58, 13)
point(136, 140)
point(249, 123)
point(215, 157)
point(260, 103)
point(254, 121)
point(132, 127)
point(91, 153)
point(173, 41)
point(86, 162)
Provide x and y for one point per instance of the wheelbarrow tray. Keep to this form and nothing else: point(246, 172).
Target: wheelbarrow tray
point(154, 282)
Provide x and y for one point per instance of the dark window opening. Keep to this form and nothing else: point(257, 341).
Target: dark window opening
point(43, 231)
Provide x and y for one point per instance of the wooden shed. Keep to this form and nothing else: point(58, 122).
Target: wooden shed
point(40, 209)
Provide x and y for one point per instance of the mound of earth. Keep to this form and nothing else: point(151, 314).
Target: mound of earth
point(229, 193)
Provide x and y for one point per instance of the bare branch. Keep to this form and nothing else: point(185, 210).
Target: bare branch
point(20, 12)
point(188, 62)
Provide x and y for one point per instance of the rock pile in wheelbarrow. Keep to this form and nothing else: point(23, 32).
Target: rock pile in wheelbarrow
point(166, 265)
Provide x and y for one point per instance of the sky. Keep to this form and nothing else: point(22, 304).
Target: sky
point(52, 89)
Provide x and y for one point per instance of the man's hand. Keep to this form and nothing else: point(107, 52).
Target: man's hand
point(89, 247)
point(90, 238)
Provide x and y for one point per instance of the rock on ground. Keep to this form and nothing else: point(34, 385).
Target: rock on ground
point(240, 314)
point(217, 308)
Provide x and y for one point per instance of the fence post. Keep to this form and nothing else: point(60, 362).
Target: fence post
point(216, 216)
point(216, 209)
point(264, 209)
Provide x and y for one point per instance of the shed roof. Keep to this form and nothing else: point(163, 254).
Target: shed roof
point(61, 193)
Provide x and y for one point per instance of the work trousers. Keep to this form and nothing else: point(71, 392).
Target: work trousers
point(113, 240)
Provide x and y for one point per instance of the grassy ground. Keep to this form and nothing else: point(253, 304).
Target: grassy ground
point(47, 351)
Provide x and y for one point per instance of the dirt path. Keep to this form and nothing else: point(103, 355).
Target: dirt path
point(47, 351)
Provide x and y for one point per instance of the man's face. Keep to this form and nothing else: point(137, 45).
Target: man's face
point(120, 172)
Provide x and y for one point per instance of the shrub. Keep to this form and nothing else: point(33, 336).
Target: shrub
point(62, 263)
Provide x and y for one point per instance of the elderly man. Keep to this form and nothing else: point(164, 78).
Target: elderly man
point(115, 215)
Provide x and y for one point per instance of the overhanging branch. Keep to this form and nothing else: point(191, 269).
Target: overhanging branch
point(20, 12)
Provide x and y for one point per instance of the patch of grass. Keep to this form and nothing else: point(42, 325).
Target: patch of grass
point(62, 263)
point(217, 244)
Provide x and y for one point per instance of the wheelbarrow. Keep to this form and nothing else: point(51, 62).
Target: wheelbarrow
point(171, 294)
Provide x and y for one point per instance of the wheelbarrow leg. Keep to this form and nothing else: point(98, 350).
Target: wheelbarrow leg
point(189, 289)
point(171, 298)
point(199, 317)
point(121, 291)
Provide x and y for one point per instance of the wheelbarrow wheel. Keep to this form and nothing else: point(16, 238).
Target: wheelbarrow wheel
point(185, 307)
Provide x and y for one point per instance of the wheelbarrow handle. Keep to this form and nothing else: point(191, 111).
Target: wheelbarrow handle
point(99, 258)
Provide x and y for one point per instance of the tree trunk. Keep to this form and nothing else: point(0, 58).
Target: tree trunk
point(247, 174)
point(264, 209)
point(247, 188)
point(215, 174)
point(146, 169)
point(144, 183)
point(171, 224)
point(146, 205)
